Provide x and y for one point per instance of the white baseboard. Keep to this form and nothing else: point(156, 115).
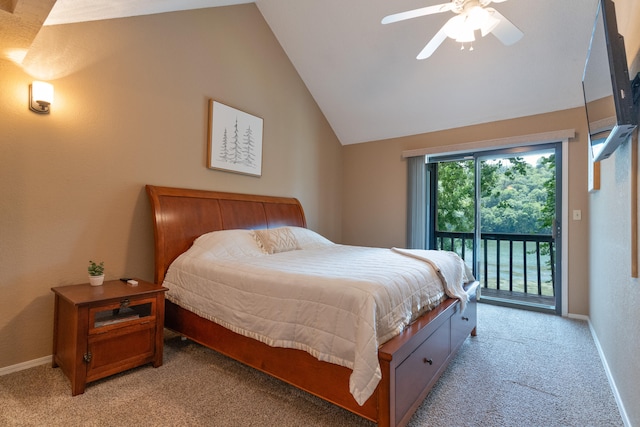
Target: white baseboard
point(580, 317)
point(612, 383)
point(25, 365)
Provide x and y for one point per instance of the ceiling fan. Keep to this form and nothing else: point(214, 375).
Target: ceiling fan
point(471, 15)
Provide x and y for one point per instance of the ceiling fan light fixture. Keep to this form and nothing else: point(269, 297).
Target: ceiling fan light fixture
point(454, 27)
point(471, 15)
point(466, 36)
point(489, 24)
point(476, 17)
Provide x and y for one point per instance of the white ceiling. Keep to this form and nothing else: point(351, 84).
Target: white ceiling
point(364, 75)
point(69, 11)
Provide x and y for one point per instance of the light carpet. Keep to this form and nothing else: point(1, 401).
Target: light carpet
point(523, 369)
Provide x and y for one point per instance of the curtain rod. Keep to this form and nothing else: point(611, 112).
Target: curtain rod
point(491, 144)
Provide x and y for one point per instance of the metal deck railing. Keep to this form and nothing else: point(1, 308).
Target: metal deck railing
point(513, 266)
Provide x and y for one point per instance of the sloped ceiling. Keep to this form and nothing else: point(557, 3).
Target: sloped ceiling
point(364, 75)
point(20, 22)
point(68, 11)
point(366, 79)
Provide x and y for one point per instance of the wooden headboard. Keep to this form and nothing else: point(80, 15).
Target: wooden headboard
point(181, 215)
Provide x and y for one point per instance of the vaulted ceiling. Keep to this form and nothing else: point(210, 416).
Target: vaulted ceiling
point(365, 76)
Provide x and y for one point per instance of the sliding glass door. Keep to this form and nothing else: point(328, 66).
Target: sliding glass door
point(498, 211)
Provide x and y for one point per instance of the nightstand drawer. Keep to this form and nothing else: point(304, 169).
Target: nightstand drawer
point(123, 313)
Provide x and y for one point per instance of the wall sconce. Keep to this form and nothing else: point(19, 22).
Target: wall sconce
point(40, 97)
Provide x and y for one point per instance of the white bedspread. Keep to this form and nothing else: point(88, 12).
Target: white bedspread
point(338, 303)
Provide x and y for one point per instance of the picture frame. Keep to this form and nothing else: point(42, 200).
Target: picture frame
point(234, 140)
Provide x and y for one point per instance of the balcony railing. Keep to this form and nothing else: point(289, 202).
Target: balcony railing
point(513, 266)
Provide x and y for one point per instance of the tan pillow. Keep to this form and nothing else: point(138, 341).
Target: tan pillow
point(275, 240)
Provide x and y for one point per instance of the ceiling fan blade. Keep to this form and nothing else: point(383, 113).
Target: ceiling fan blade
point(432, 45)
point(415, 13)
point(505, 31)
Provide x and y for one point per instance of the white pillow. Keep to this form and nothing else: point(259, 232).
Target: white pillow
point(276, 240)
point(228, 244)
point(308, 239)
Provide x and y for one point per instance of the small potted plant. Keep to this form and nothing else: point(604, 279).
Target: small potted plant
point(96, 273)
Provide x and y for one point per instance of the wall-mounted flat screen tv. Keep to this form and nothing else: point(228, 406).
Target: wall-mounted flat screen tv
point(606, 85)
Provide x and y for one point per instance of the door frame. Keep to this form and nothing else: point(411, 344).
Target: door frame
point(561, 226)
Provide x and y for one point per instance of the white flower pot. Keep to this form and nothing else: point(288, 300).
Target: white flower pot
point(96, 280)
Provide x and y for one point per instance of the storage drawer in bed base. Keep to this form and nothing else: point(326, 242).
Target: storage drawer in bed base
point(416, 363)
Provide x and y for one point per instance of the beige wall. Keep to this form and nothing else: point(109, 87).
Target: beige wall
point(614, 295)
point(375, 187)
point(131, 109)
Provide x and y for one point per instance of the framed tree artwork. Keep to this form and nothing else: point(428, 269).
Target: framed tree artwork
point(235, 140)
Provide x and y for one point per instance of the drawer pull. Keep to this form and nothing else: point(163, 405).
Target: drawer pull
point(429, 361)
point(124, 303)
point(465, 318)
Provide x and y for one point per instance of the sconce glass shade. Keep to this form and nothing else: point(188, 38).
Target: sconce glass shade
point(40, 97)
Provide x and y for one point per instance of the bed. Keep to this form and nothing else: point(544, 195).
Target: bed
point(410, 362)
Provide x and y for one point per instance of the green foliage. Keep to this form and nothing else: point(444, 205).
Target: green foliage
point(455, 196)
point(96, 269)
point(549, 208)
point(516, 197)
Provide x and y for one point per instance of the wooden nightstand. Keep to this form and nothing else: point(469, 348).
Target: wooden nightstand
point(102, 330)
